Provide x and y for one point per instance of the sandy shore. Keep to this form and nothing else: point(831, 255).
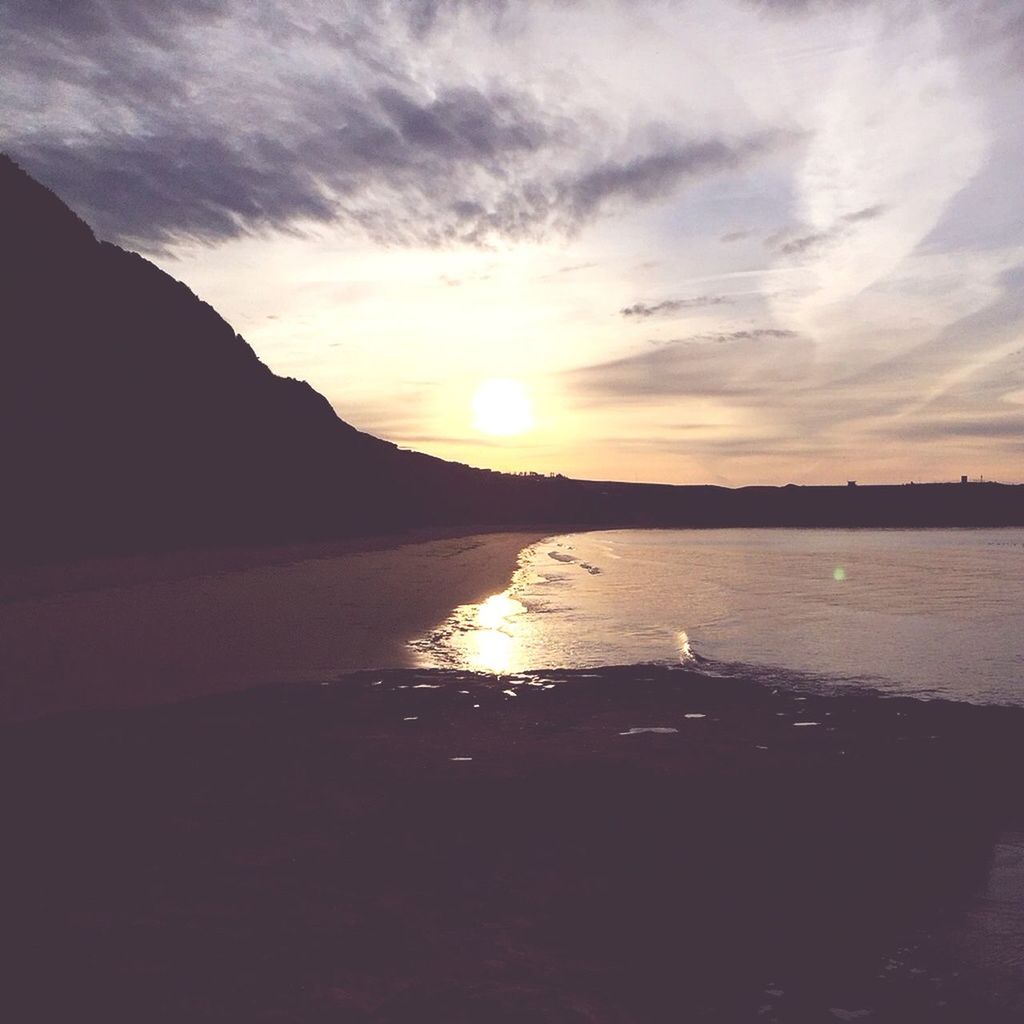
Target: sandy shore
point(160, 628)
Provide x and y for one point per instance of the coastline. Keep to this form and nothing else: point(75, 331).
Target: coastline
point(350, 837)
point(159, 628)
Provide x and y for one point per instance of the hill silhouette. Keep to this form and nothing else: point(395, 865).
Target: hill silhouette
point(133, 416)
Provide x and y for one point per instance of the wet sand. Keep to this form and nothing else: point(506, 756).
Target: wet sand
point(160, 628)
point(629, 845)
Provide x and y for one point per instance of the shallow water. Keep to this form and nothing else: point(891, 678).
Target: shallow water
point(924, 612)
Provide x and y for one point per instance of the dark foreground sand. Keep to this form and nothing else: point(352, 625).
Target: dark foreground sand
point(156, 628)
point(326, 853)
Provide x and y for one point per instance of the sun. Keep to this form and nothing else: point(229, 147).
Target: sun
point(501, 406)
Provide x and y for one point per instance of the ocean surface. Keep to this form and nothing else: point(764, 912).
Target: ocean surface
point(935, 613)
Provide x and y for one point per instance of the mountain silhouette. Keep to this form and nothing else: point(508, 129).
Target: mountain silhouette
point(133, 416)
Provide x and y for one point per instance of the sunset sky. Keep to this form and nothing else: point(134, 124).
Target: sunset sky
point(750, 242)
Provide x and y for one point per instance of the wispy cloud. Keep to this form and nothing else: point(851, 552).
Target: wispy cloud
point(789, 243)
point(213, 120)
point(669, 307)
point(896, 137)
point(741, 364)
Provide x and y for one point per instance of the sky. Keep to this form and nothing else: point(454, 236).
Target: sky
point(731, 242)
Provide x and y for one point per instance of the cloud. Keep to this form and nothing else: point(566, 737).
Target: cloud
point(163, 122)
point(399, 166)
point(1007, 428)
point(454, 170)
point(159, 189)
point(655, 175)
point(868, 213)
point(966, 368)
point(834, 233)
point(644, 311)
point(805, 242)
point(755, 334)
point(740, 365)
point(151, 21)
point(798, 8)
point(895, 135)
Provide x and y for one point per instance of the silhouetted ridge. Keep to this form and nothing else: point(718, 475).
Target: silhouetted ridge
point(34, 216)
point(132, 416)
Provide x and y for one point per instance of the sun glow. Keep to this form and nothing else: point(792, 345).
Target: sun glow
point(501, 406)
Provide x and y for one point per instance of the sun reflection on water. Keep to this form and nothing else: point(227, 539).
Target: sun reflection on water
point(492, 642)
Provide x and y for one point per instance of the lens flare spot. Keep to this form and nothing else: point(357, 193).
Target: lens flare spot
point(839, 574)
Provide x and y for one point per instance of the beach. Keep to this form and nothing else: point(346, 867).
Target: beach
point(294, 821)
point(629, 845)
point(162, 627)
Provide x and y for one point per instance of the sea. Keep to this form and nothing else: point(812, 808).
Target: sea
point(925, 613)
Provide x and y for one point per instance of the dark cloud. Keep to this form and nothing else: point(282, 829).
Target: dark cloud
point(157, 189)
point(397, 166)
point(667, 307)
point(804, 242)
point(155, 22)
point(734, 236)
point(459, 168)
point(169, 144)
point(868, 213)
point(655, 175)
point(424, 15)
point(783, 242)
point(462, 124)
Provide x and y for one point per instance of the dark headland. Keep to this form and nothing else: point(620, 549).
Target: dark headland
point(634, 845)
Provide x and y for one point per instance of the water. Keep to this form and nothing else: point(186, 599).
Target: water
point(923, 612)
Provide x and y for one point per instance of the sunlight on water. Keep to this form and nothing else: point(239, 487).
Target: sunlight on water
point(497, 611)
point(490, 645)
point(923, 611)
